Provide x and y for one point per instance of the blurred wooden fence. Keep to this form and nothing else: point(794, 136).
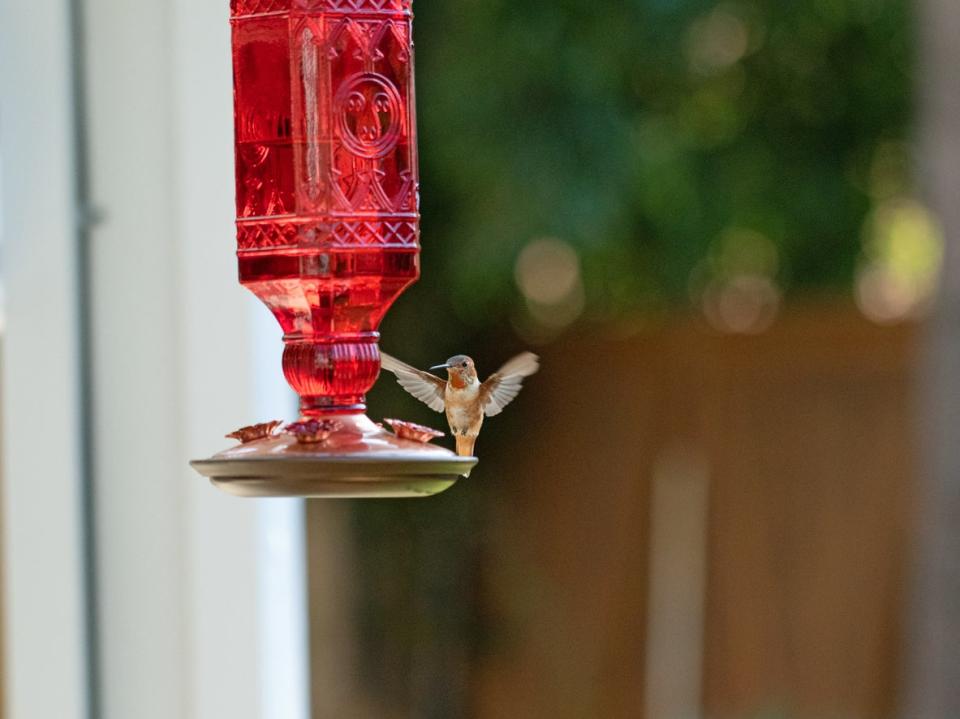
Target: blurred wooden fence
point(804, 438)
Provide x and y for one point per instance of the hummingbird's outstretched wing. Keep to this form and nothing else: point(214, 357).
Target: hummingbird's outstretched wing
point(426, 387)
point(502, 387)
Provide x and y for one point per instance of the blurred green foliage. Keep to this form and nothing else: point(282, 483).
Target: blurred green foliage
point(641, 132)
point(661, 139)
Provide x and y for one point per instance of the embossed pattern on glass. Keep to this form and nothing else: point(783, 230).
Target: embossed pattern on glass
point(327, 182)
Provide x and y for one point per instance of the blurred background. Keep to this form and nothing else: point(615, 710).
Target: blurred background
point(729, 230)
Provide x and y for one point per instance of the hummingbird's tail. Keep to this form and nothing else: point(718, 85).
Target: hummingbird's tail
point(465, 445)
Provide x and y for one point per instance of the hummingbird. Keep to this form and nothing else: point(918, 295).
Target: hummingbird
point(462, 395)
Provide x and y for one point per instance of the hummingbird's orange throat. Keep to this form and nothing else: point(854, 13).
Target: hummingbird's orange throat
point(457, 380)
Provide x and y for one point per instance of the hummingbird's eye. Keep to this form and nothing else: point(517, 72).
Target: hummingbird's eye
point(464, 364)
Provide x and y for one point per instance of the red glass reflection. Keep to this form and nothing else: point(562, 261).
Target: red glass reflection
point(327, 181)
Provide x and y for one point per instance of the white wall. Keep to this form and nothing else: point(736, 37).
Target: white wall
point(42, 549)
point(200, 596)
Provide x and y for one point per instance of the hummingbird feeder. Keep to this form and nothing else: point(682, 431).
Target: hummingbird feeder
point(328, 236)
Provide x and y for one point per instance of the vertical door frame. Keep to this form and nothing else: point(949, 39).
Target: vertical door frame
point(46, 638)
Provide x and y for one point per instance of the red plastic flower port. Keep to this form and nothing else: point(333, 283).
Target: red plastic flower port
point(313, 431)
point(246, 435)
point(415, 432)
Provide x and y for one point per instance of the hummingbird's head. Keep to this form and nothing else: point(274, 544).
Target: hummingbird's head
point(460, 370)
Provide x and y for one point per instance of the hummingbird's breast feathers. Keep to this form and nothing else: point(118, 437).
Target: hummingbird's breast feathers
point(464, 412)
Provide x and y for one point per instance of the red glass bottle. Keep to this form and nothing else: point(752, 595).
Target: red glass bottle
point(327, 181)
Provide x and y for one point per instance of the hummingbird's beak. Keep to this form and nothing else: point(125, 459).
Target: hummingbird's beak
point(441, 366)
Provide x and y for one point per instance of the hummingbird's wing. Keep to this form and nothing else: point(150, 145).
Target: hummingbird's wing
point(502, 387)
point(426, 387)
